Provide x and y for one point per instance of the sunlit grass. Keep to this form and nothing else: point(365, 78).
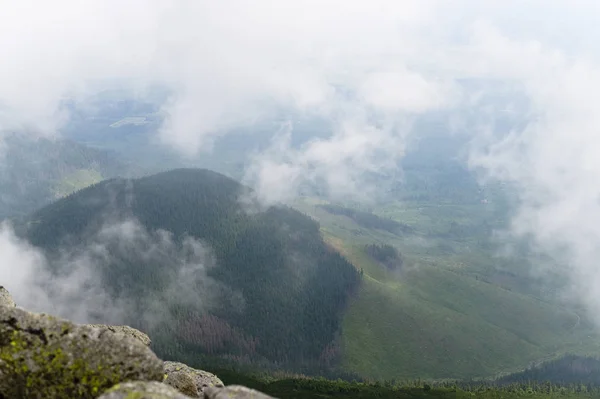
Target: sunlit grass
point(76, 181)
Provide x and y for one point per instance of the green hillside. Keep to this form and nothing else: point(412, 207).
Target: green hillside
point(275, 295)
point(445, 313)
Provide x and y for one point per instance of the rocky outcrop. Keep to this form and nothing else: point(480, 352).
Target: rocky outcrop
point(5, 298)
point(142, 390)
point(129, 331)
point(203, 379)
point(45, 357)
point(234, 391)
point(184, 383)
point(42, 356)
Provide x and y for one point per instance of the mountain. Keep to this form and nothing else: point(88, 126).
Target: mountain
point(36, 171)
point(452, 308)
point(279, 295)
point(275, 293)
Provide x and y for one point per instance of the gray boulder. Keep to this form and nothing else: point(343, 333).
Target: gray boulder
point(234, 391)
point(5, 298)
point(45, 357)
point(142, 390)
point(129, 331)
point(183, 382)
point(203, 379)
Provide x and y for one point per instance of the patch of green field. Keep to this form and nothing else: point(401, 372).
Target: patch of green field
point(75, 181)
point(443, 315)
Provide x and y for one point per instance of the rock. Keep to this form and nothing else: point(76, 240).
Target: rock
point(129, 331)
point(203, 379)
point(5, 298)
point(142, 390)
point(45, 357)
point(183, 382)
point(234, 391)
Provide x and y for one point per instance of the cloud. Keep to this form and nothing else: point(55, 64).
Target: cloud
point(229, 62)
point(72, 283)
point(337, 167)
point(225, 64)
point(363, 66)
point(219, 59)
point(552, 161)
point(367, 67)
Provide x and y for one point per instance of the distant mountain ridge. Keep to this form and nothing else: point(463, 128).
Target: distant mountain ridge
point(36, 171)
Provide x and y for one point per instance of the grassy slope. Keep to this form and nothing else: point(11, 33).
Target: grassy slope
point(434, 319)
point(75, 181)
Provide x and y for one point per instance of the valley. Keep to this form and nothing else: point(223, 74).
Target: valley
point(457, 305)
point(455, 308)
point(299, 199)
point(441, 315)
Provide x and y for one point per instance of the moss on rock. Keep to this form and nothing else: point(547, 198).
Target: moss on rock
point(43, 356)
point(203, 379)
point(129, 331)
point(142, 390)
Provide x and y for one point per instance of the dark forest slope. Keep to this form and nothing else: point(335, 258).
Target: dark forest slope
point(569, 369)
point(280, 290)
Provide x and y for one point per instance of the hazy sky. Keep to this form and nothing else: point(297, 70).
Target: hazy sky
point(230, 61)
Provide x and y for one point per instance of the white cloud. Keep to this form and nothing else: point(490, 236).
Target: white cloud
point(338, 166)
point(233, 61)
point(71, 283)
point(224, 61)
point(553, 160)
point(402, 90)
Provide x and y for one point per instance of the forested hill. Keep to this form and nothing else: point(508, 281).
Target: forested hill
point(280, 290)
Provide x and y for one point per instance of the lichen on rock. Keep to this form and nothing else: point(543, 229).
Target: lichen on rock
point(43, 356)
point(5, 298)
point(183, 382)
point(203, 379)
point(142, 390)
point(129, 331)
point(234, 392)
